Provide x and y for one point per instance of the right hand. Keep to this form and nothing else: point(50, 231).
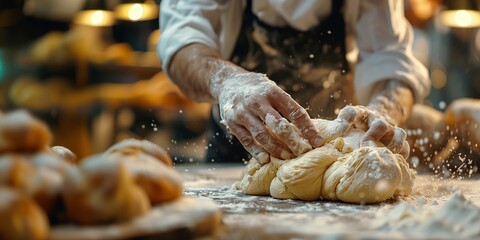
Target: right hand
point(378, 127)
point(264, 118)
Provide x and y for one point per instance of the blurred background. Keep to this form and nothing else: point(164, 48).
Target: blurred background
point(89, 68)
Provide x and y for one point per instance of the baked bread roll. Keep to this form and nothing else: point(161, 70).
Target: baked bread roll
point(120, 53)
point(132, 146)
point(20, 217)
point(463, 119)
point(152, 40)
point(39, 176)
point(21, 132)
point(64, 153)
point(151, 167)
point(103, 191)
point(427, 136)
point(46, 49)
point(15, 173)
point(424, 122)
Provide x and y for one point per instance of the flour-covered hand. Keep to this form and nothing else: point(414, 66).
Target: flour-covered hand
point(248, 101)
point(379, 127)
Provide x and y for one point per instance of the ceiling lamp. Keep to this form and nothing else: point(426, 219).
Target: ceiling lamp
point(460, 18)
point(460, 14)
point(95, 14)
point(137, 11)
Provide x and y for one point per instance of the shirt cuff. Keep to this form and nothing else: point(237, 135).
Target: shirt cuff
point(391, 65)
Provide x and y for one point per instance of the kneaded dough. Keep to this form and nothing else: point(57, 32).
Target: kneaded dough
point(339, 170)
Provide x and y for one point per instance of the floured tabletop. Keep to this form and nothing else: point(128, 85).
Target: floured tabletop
point(183, 218)
point(259, 217)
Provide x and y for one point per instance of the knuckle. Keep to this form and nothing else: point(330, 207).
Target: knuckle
point(400, 132)
point(253, 103)
point(239, 117)
point(246, 141)
point(298, 113)
point(380, 124)
point(229, 122)
point(271, 90)
point(348, 111)
point(261, 135)
point(309, 131)
point(275, 92)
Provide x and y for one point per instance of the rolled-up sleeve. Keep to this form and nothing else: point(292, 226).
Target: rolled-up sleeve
point(384, 39)
point(186, 22)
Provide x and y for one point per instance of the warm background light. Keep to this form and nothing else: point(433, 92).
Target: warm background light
point(136, 11)
point(97, 18)
point(463, 18)
point(460, 18)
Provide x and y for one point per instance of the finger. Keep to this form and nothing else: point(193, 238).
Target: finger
point(298, 116)
point(346, 118)
point(262, 107)
point(358, 116)
point(288, 134)
point(262, 136)
point(283, 130)
point(398, 140)
point(388, 137)
point(246, 139)
point(405, 152)
point(377, 130)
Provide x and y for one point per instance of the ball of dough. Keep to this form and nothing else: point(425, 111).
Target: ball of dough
point(302, 178)
point(339, 170)
point(258, 177)
point(367, 175)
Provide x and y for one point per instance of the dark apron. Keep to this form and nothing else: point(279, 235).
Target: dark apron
point(311, 66)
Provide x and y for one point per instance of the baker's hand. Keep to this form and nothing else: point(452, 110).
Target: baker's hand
point(264, 118)
point(378, 126)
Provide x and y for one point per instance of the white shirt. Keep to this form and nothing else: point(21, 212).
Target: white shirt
point(379, 37)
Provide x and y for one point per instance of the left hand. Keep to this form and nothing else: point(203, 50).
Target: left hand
point(379, 127)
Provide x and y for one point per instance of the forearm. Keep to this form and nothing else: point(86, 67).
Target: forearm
point(197, 69)
point(393, 98)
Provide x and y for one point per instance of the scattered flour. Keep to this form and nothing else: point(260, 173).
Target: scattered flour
point(456, 218)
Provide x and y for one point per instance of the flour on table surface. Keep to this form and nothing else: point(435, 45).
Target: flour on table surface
point(313, 219)
point(455, 218)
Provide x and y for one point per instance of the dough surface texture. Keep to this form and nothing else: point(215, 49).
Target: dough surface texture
point(340, 170)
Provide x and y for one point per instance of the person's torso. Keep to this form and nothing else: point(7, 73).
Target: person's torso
point(309, 64)
point(301, 15)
